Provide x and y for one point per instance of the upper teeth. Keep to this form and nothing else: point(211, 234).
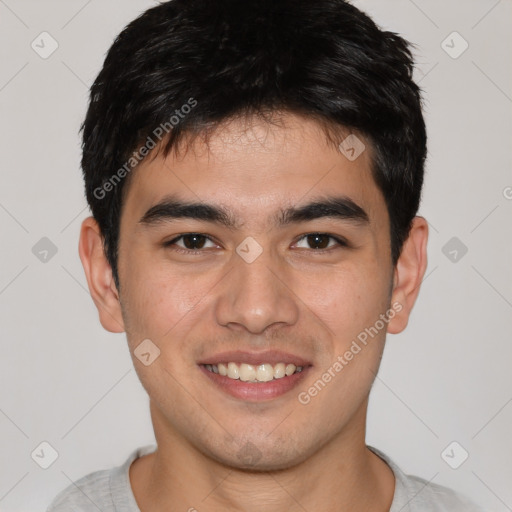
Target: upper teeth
point(254, 373)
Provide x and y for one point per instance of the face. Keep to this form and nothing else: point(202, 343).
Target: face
point(270, 285)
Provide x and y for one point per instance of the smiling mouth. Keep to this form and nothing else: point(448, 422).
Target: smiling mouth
point(253, 373)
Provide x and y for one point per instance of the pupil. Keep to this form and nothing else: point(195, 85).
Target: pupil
point(314, 239)
point(191, 245)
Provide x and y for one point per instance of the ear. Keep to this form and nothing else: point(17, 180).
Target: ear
point(409, 272)
point(99, 276)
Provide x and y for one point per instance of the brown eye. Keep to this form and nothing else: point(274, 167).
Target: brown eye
point(189, 242)
point(193, 241)
point(320, 241)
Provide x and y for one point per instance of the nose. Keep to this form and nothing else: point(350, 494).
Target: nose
point(257, 295)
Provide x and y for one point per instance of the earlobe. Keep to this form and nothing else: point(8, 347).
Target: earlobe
point(409, 272)
point(98, 272)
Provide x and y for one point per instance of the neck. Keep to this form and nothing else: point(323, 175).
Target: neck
point(343, 475)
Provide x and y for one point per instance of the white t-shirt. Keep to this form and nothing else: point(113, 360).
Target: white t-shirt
point(109, 490)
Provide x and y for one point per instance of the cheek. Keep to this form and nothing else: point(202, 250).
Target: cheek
point(350, 304)
point(346, 300)
point(164, 302)
point(159, 305)
point(153, 297)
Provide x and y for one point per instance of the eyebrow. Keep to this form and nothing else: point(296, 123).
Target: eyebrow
point(338, 207)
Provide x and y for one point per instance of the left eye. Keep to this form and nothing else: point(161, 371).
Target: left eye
point(321, 241)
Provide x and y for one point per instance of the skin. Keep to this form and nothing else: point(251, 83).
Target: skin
point(292, 297)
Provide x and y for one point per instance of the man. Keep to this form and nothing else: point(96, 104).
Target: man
point(254, 170)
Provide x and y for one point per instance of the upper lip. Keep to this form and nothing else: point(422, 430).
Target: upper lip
point(255, 358)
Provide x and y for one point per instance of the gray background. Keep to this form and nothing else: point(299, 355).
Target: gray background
point(446, 378)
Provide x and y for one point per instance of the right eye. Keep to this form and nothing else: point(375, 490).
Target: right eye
point(191, 243)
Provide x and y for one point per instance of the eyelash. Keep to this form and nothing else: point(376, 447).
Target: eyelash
point(170, 243)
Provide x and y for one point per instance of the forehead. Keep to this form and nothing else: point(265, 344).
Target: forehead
point(254, 168)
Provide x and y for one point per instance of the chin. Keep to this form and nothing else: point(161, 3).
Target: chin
point(254, 456)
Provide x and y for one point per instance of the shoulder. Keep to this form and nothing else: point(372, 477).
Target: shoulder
point(91, 492)
point(416, 494)
point(108, 490)
point(423, 495)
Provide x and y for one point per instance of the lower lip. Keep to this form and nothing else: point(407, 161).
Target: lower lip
point(255, 391)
